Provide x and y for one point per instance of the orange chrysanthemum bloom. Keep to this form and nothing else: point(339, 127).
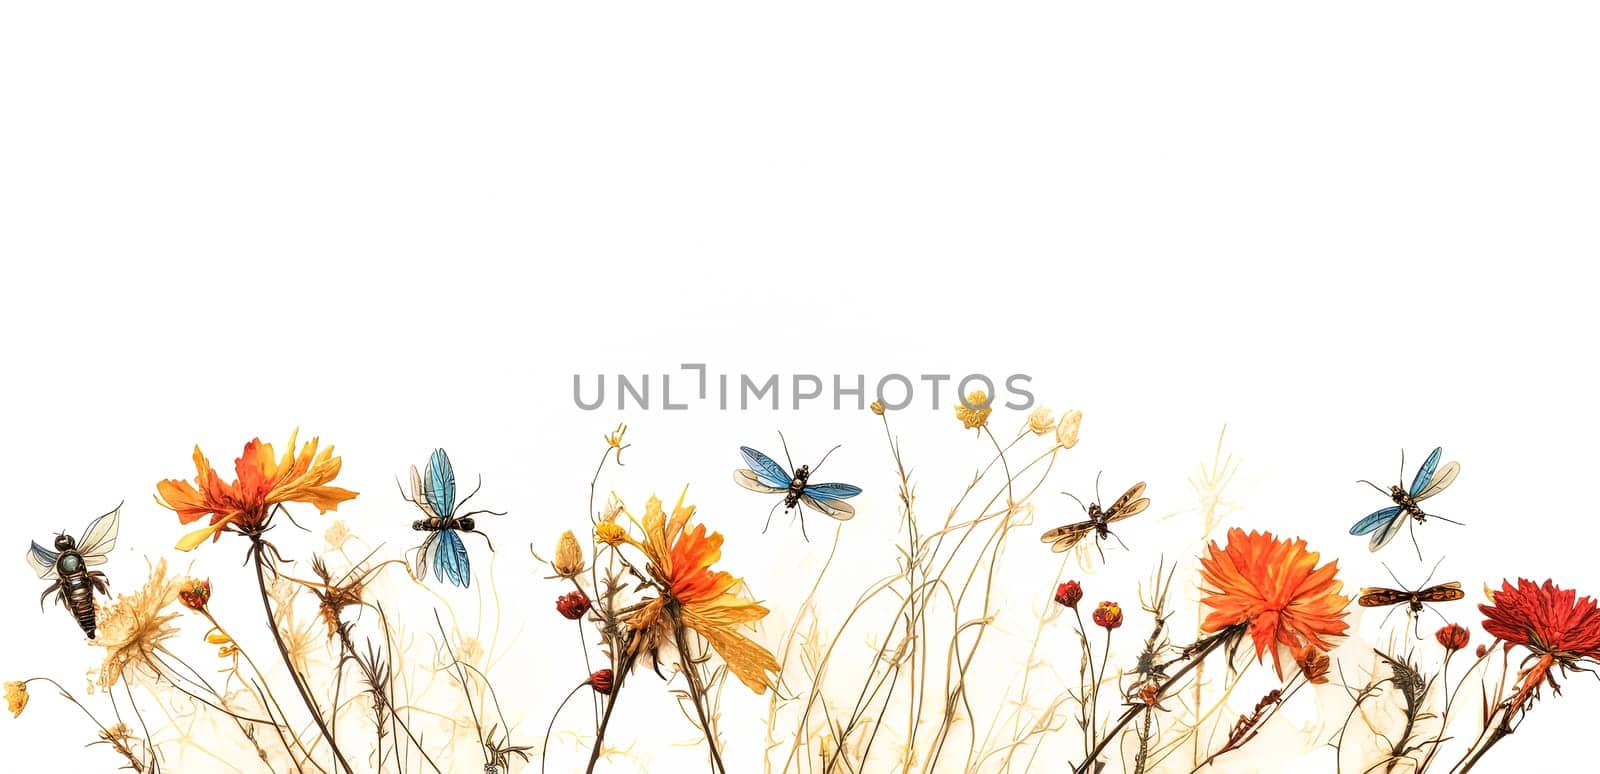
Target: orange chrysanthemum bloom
point(698, 597)
point(1275, 589)
point(263, 481)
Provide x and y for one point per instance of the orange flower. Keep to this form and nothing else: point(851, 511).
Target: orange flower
point(704, 599)
point(263, 481)
point(1313, 663)
point(1275, 588)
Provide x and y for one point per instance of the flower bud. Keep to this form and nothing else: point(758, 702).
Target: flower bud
point(1453, 636)
point(601, 682)
point(1108, 615)
point(568, 562)
point(1069, 594)
point(573, 605)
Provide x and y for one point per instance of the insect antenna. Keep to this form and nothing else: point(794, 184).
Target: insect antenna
point(482, 510)
point(1079, 502)
point(1097, 486)
point(1431, 572)
point(1396, 578)
point(786, 457)
point(1402, 477)
point(818, 466)
point(1380, 489)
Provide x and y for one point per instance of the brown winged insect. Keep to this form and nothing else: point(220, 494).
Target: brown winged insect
point(1414, 599)
point(1129, 504)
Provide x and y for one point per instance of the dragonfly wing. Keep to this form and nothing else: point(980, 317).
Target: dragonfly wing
point(451, 559)
point(1128, 509)
point(770, 473)
point(840, 510)
point(1444, 478)
point(441, 483)
point(100, 537)
point(1376, 596)
point(419, 497)
point(1067, 536)
point(1425, 473)
point(832, 491)
point(43, 561)
point(1385, 533)
point(419, 569)
point(1375, 520)
point(1444, 592)
point(750, 480)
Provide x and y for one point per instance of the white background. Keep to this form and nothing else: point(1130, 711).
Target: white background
point(1341, 231)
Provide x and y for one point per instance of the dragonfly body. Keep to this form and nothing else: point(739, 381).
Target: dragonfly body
point(1384, 523)
point(766, 475)
point(68, 566)
point(434, 493)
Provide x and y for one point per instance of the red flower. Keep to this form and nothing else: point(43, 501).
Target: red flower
point(601, 682)
point(1560, 627)
point(1109, 615)
point(572, 605)
point(195, 594)
point(1069, 594)
point(1545, 619)
point(1453, 636)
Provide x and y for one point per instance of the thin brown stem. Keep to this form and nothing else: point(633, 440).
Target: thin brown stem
point(1196, 656)
point(257, 554)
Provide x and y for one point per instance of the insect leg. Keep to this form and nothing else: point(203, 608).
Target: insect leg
point(1120, 543)
point(1441, 518)
point(47, 593)
point(1387, 616)
point(485, 539)
point(803, 534)
point(771, 511)
point(1411, 526)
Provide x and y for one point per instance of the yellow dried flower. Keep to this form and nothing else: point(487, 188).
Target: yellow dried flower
point(614, 440)
point(16, 696)
point(1040, 421)
point(1067, 429)
point(877, 407)
point(610, 533)
point(568, 562)
point(974, 413)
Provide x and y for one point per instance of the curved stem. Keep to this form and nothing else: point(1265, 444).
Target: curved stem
point(256, 554)
point(544, 752)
